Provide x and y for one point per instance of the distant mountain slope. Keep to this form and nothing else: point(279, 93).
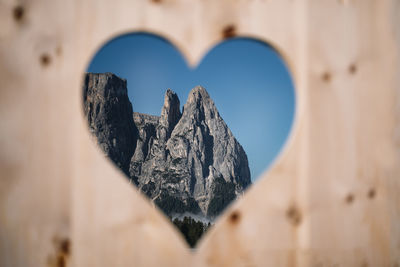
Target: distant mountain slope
point(184, 162)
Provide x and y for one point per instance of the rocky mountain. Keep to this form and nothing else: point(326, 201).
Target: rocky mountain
point(185, 162)
point(109, 114)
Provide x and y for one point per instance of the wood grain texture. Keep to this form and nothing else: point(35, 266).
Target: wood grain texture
point(332, 197)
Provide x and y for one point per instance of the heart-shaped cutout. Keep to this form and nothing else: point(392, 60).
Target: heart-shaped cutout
point(188, 160)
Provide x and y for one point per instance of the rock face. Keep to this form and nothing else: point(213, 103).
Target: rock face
point(184, 162)
point(109, 114)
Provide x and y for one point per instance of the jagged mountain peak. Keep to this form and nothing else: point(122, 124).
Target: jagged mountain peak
point(110, 116)
point(198, 93)
point(199, 96)
point(107, 85)
point(170, 114)
point(169, 92)
point(170, 99)
point(184, 162)
point(171, 105)
point(199, 107)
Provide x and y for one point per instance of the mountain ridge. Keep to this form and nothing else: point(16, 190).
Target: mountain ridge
point(185, 162)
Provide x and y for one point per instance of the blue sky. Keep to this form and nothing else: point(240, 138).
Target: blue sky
point(247, 79)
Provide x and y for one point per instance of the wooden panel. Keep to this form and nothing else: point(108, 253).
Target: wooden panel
point(331, 199)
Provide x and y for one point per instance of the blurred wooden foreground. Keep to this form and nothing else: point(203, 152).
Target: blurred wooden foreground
point(331, 199)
